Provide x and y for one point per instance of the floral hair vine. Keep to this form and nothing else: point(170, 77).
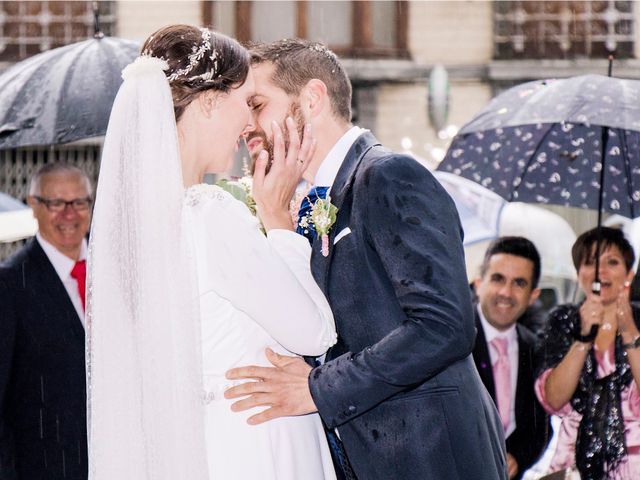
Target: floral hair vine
point(197, 54)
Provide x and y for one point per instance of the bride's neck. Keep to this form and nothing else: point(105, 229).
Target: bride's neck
point(191, 173)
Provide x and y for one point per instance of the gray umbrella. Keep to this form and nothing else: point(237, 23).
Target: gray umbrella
point(64, 94)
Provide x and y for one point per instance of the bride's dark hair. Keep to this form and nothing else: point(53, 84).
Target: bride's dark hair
point(199, 60)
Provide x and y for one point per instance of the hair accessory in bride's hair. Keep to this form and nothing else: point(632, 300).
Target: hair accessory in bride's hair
point(198, 53)
point(144, 64)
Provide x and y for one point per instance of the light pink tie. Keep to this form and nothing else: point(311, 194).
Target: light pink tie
point(502, 379)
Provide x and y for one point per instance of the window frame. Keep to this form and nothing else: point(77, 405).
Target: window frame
point(582, 44)
point(361, 46)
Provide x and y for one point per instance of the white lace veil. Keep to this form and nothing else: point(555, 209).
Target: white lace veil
point(146, 416)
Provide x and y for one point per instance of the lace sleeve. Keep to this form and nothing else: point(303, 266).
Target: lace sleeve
point(268, 278)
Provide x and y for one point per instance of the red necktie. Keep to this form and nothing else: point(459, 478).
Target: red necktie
point(502, 379)
point(79, 272)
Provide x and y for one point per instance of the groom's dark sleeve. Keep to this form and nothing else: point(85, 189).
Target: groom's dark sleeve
point(7, 338)
point(414, 229)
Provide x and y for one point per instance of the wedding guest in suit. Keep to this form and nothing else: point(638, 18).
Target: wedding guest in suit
point(400, 385)
point(42, 357)
point(504, 350)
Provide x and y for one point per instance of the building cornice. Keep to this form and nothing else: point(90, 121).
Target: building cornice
point(520, 70)
point(385, 70)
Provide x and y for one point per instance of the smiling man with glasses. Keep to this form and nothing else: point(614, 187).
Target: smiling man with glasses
point(60, 196)
point(42, 359)
point(58, 205)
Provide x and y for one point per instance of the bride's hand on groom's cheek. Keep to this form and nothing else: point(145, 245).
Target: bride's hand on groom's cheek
point(283, 388)
point(273, 191)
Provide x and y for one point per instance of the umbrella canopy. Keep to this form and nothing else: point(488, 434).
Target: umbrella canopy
point(9, 204)
point(485, 216)
point(542, 142)
point(64, 94)
point(479, 209)
point(16, 219)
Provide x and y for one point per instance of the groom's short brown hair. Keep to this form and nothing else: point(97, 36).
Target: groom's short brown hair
point(298, 61)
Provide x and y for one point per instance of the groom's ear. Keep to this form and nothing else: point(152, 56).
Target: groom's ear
point(313, 97)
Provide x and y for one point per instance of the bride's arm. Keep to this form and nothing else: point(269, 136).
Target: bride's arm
point(267, 278)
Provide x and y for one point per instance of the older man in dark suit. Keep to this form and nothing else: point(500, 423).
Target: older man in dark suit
point(504, 350)
point(42, 358)
point(400, 385)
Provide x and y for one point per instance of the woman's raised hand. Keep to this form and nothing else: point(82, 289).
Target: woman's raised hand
point(591, 313)
point(273, 191)
point(624, 315)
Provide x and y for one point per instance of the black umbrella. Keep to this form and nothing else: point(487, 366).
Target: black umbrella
point(573, 142)
point(64, 94)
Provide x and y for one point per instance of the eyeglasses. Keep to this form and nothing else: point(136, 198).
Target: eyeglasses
point(59, 205)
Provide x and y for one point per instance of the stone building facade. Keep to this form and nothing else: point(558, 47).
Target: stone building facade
point(388, 47)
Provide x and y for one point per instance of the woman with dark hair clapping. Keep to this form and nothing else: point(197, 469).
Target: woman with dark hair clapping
point(592, 380)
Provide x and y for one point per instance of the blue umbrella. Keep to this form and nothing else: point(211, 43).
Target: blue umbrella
point(573, 142)
point(542, 142)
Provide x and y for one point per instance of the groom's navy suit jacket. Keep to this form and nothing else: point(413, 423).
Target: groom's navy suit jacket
point(42, 373)
point(400, 385)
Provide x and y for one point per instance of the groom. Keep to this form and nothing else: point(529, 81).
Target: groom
point(400, 386)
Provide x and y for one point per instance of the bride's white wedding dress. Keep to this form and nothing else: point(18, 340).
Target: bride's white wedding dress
point(155, 362)
point(249, 300)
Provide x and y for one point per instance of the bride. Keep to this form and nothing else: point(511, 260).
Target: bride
point(183, 284)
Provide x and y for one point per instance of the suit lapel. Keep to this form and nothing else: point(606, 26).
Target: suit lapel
point(43, 272)
point(483, 359)
point(320, 264)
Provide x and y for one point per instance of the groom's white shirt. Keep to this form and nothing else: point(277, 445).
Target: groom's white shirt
point(326, 174)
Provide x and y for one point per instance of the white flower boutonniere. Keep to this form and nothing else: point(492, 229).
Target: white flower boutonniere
point(322, 215)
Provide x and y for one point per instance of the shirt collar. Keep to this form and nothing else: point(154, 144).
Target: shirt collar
point(61, 263)
point(491, 332)
point(326, 174)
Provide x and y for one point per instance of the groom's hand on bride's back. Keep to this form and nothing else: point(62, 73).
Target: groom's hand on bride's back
point(284, 388)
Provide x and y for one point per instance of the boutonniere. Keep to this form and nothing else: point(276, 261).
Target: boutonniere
point(322, 216)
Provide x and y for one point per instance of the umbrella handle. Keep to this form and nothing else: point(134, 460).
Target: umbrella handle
point(591, 336)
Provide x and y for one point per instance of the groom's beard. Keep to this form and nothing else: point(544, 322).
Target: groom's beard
point(295, 112)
